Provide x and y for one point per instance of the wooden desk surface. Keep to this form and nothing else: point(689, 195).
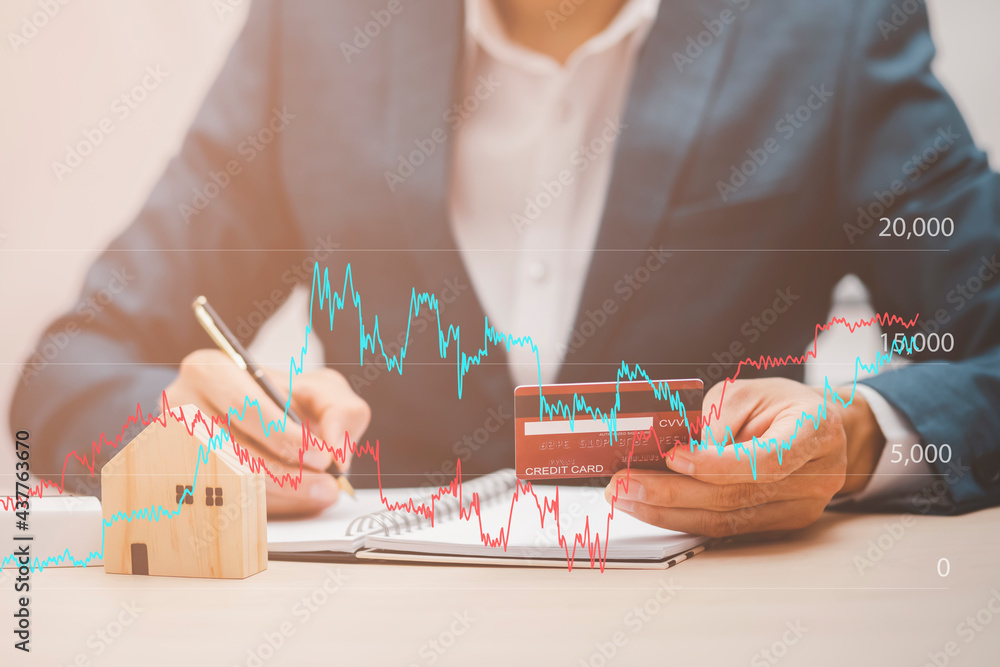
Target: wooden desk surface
point(803, 598)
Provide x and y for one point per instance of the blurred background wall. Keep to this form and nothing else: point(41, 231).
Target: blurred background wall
point(63, 80)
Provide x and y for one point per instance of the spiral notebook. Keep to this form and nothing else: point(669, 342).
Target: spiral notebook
point(362, 528)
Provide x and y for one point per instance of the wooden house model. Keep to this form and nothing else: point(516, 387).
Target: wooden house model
point(175, 506)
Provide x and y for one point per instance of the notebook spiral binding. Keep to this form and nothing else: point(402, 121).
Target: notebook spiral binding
point(394, 522)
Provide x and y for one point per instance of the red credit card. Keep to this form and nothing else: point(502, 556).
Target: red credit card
point(562, 448)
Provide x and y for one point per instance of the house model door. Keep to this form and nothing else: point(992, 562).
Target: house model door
point(140, 559)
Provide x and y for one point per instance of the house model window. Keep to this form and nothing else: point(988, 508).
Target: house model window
point(213, 493)
point(188, 499)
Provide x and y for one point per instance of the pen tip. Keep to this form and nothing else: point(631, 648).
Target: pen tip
point(345, 485)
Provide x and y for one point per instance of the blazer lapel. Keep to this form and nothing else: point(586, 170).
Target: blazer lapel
point(427, 51)
point(426, 62)
point(662, 115)
point(667, 100)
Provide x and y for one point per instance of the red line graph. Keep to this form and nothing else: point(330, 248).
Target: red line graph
point(545, 506)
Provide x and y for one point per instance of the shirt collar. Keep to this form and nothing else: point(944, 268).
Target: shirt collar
point(483, 27)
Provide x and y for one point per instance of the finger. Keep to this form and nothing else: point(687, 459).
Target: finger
point(291, 489)
point(777, 516)
point(225, 390)
point(342, 416)
point(667, 489)
point(285, 446)
point(222, 385)
point(292, 445)
point(788, 444)
point(310, 446)
point(734, 406)
point(342, 425)
point(315, 490)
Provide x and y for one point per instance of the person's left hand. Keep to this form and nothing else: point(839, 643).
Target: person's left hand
point(713, 494)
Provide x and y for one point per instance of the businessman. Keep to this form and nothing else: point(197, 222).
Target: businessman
point(657, 182)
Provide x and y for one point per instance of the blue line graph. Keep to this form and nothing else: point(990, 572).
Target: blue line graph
point(371, 342)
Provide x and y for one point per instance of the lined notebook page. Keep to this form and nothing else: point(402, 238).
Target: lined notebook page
point(328, 530)
point(630, 539)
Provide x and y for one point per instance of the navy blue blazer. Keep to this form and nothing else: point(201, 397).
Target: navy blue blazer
point(762, 144)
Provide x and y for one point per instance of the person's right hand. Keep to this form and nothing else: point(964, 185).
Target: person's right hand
point(211, 381)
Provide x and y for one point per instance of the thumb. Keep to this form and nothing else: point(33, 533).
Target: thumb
point(727, 407)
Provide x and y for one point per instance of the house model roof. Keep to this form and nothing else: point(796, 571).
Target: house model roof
point(182, 417)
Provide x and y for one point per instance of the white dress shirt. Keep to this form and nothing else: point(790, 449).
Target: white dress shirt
point(531, 170)
point(531, 167)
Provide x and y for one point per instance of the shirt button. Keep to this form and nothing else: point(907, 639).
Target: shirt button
point(537, 271)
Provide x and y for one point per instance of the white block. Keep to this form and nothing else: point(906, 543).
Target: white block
point(56, 524)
